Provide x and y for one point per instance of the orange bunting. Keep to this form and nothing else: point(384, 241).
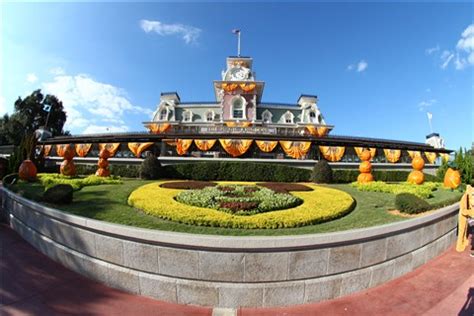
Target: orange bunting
point(182, 146)
point(204, 144)
point(235, 147)
point(82, 149)
point(414, 153)
point(61, 149)
point(170, 142)
point(138, 148)
point(313, 130)
point(238, 124)
point(247, 87)
point(295, 150)
point(332, 153)
point(159, 128)
point(266, 146)
point(392, 155)
point(444, 157)
point(431, 156)
point(229, 87)
point(110, 147)
point(323, 131)
point(359, 151)
point(46, 150)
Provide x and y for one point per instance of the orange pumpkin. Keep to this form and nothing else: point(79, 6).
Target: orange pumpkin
point(104, 154)
point(103, 163)
point(69, 153)
point(418, 163)
point(452, 179)
point(102, 172)
point(27, 170)
point(416, 177)
point(365, 155)
point(365, 167)
point(365, 177)
point(67, 168)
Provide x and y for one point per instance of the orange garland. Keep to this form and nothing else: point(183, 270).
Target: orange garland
point(247, 87)
point(313, 130)
point(138, 148)
point(266, 146)
point(444, 157)
point(430, 156)
point(359, 151)
point(110, 147)
point(295, 150)
point(182, 146)
point(159, 128)
point(238, 124)
point(414, 153)
point(323, 131)
point(46, 150)
point(235, 147)
point(229, 87)
point(392, 155)
point(83, 149)
point(332, 153)
point(204, 144)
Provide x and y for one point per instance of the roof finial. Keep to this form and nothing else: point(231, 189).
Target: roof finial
point(237, 31)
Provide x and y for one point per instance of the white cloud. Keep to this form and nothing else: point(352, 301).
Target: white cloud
point(189, 34)
point(424, 105)
point(446, 58)
point(359, 67)
point(57, 71)
point(92, 104)
point(463, 55)
point(432, 50)
point(31, 78)
point(97, 129)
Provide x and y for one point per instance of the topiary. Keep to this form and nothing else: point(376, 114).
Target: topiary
point(10, 179)
point(59, 194)
point(322, 172)
point(151, 168)
point(411, 204)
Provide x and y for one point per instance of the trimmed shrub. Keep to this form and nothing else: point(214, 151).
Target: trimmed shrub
point(322, 172)
point(411, 204)
point(10, 179)
point(281, 187)
point(350, 175)
point(59, 194)
point(150, 168)
point(188, 185)
point(423, 191)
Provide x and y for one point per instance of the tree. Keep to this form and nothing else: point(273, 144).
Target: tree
point(30, 114)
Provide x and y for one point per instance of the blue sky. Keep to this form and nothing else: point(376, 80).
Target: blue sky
point(377, 68)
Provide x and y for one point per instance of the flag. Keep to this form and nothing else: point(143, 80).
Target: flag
point(430, 116)
point(235, 31)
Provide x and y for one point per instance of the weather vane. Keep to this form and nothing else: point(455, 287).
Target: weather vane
point(237, 31)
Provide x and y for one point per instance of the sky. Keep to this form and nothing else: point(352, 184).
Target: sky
point(377, 68)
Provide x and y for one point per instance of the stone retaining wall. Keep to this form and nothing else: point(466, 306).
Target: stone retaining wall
point(224, 271)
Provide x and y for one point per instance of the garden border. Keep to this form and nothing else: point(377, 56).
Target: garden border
point(227, 271)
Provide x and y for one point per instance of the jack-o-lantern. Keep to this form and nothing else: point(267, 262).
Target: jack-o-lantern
point(68, 153)
point(67, 168)
point(102, 172)
point(365, 177)
point(452, 179)
point(103, 163)
point(416, 177)
point(418, 163)
point(365, 155)
point(104, 154)
point(27, 170)
point(365, 167)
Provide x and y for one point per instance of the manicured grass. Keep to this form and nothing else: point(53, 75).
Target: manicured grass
point(109, 203)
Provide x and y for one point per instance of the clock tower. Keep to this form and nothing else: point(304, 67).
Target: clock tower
point(238, 92)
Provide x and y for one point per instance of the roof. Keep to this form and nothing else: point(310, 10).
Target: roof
point(431, 135)
point(307, 96)
point(169, 93)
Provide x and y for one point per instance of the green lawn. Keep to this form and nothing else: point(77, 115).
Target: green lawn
point(109, 203)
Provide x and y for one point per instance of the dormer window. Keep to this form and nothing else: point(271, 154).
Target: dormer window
point(210, 116)
point(288, 117)
point(267, 116)
point(164, 114)
point(238, 107)
point(187, 116)
point(312, 117)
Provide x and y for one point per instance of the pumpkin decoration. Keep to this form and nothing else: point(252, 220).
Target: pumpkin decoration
point(103, 163)
point(365, 178)
point(452, 179)
point(418, 163)
point(27, 170)
point(365, 167)
point(416, 177)
point(67, 168)
point(104, 154)
point(102, 172)
point(68, 153)
point(365, 155)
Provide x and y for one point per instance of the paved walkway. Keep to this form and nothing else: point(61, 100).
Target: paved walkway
point(32, 284)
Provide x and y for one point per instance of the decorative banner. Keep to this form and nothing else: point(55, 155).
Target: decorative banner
point(138, 148)
point(204, 144)
point(332, 153)
point(392, 155)
point(61, 149)
point(295, 150)
point(247, 87)
point(359, 150)
point(266, 146)
point(110, 147)
point(182, 146)
point(170, 142)
point(46, 150)
point(83, 149)
point(229, 87)
point(159, 128)
point(313, 130)
point(444, 157)
point(430, 156)
point(235, 147)
point(238, 124)
point(414, 153)
point(323, 131)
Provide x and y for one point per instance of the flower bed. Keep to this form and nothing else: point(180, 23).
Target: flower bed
point(320, 205)
point(51, 179)
point(423, 191)
point(239, 199)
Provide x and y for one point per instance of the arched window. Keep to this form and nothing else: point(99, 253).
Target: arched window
point(238, 107)
point(267, 116)
point(164, 114)
point(312, 117)
point(210, 116)
point(187, 116)
point(288, 117)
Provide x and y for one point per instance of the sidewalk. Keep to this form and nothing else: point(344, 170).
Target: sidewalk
point(32, 284)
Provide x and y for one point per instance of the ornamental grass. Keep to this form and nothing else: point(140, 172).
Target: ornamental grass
point(320, 205)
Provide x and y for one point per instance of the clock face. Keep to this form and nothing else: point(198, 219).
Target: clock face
point(239, 73)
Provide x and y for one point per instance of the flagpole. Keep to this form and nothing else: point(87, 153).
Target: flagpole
point(430, 116)
point(238, 44)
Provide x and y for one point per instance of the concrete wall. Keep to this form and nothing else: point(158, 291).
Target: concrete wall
point(229, 271)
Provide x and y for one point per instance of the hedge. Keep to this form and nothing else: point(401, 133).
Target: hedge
point(422, 191)
point(350, 175)
point(411, 204)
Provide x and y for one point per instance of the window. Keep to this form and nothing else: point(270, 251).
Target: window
point(288, 118)
point(267, 116)
point(164, 115)
point(237, 108)
point(187, 116)
point(210, 116)
point(312, 117)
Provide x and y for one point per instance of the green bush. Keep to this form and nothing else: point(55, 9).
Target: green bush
point(350, 175)
point(322, 172)
point(423, 191)
point(411, 204)
point(10, 179)
point(150, 168)
point(236, 171)
point(51, 179)
point(59, 194)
